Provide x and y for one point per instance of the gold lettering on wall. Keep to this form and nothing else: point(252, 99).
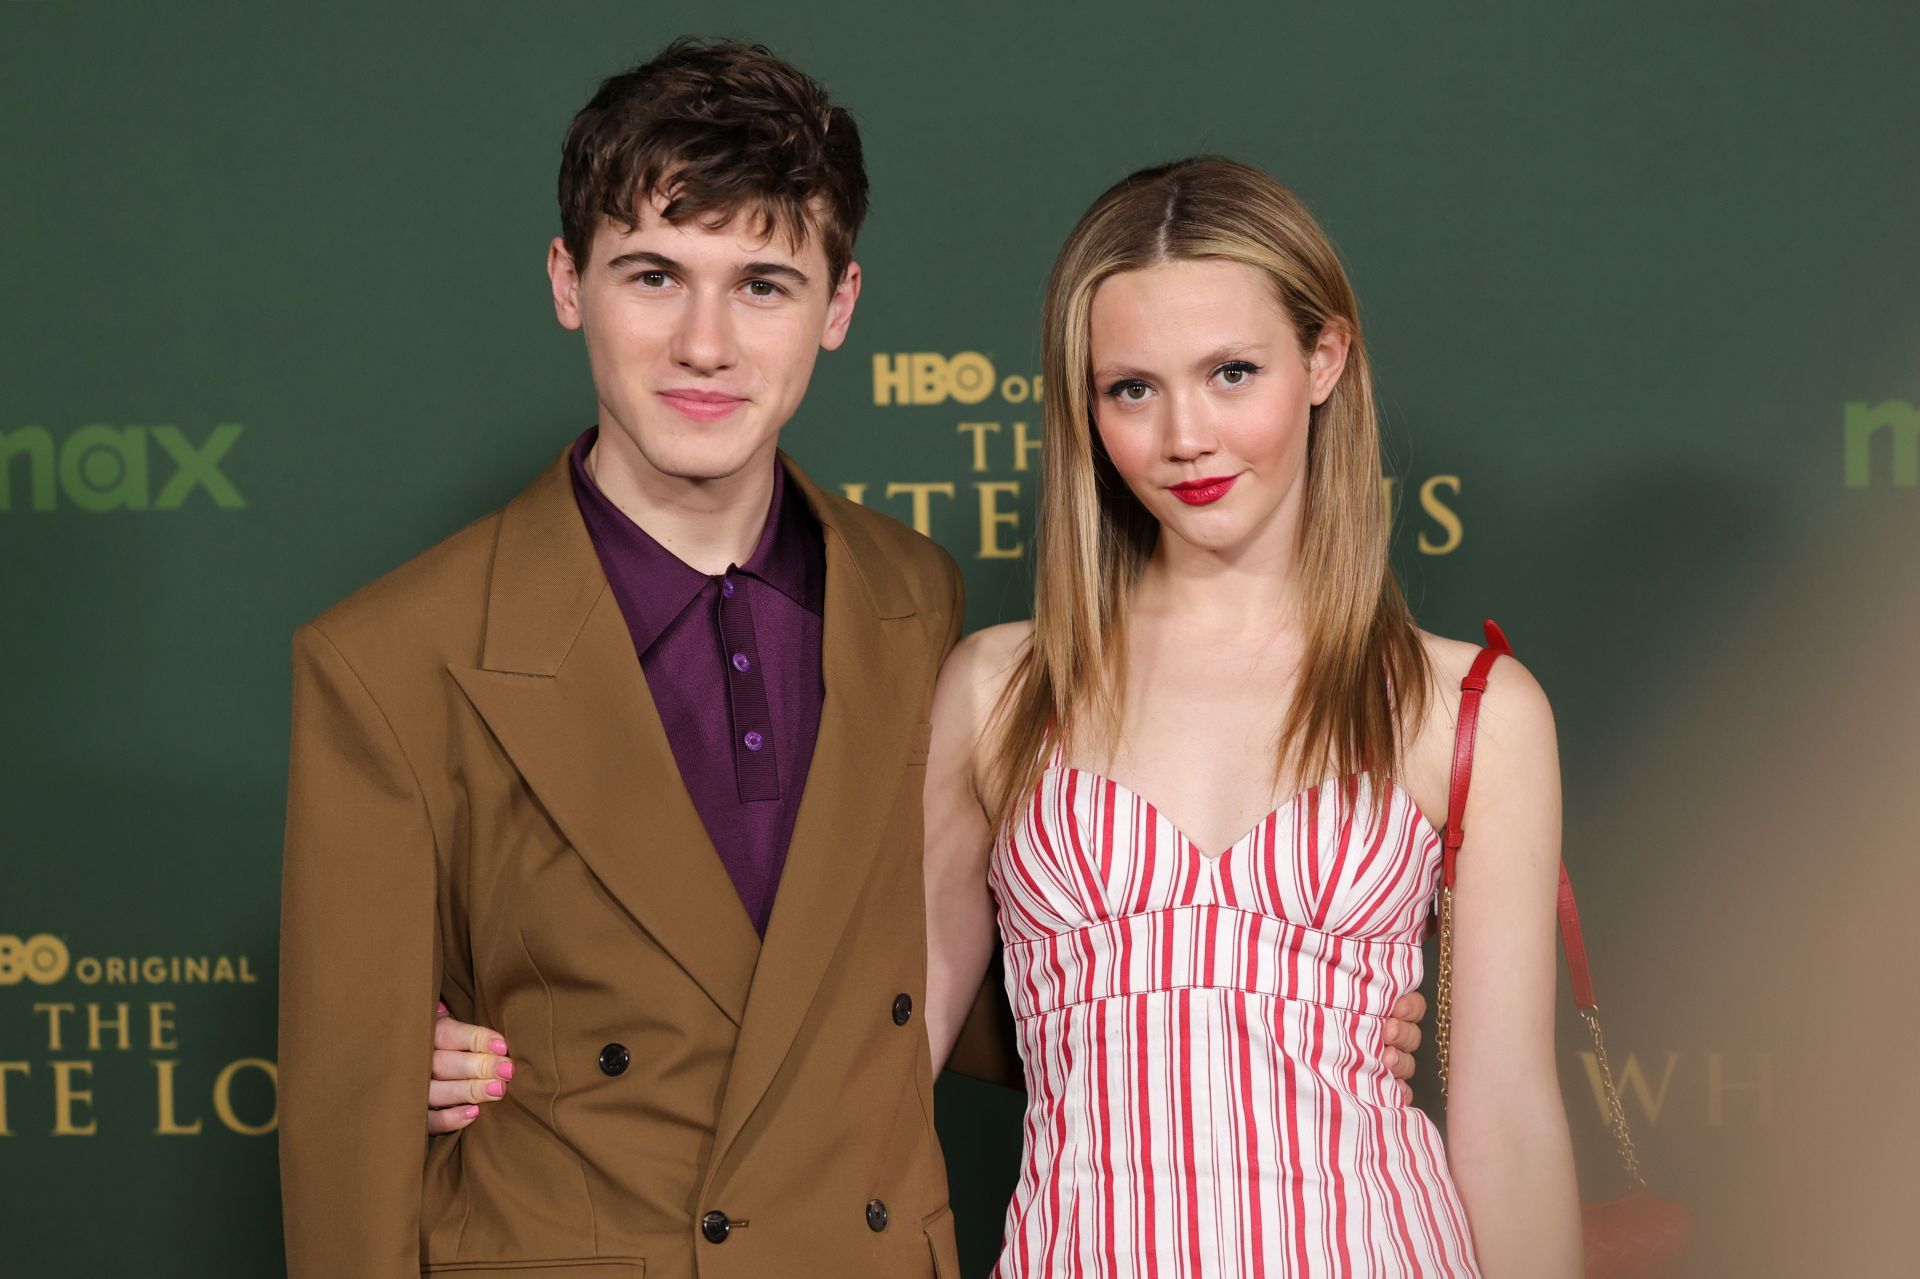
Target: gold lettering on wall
point(170, 1126)
point(922, 501)
point(1442, 515)
point(7, 1068)
point(223, 1096)
point(1024, 446)
point(118, 1022)
point(1759, 1087)
point(992, 518)
point(1632, 1079)
point(160, 1025)
point(980, 432)
point(67, 1099)
point(53, 1012)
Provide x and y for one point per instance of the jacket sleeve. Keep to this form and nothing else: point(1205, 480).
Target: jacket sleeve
point(358, 975)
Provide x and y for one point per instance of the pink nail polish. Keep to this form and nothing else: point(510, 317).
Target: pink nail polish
point(498, 1048)
point(473, 1112)
point(496, 1089)
point(504, 1070)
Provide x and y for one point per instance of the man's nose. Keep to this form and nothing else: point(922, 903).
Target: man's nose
point(705, 342)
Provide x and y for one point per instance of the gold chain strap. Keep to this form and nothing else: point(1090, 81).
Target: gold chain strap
point(1443, 1035)
point(1616, 1113)
point(1443, 1014)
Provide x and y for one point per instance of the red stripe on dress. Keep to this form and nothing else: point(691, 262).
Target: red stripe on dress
point(1143, 1114)
point(1149, 861)
point(1093, 889)
point(1190, 1170)
point(1256, 1231)
point(1331, 883)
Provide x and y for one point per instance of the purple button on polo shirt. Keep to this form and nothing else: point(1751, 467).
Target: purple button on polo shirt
point(733, 664)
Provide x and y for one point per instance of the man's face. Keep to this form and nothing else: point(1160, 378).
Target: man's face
point(701, 340)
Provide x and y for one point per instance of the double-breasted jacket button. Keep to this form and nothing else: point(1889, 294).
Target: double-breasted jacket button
point(876, 1216)
point(902, 1009)
point(716, 1227)
point(614, 1059)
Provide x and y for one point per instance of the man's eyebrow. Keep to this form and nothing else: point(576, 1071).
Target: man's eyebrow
point(781, 270)
point(661, 262)
point(642, 257)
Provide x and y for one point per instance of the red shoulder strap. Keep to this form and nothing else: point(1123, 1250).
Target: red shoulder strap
point(1472, 688)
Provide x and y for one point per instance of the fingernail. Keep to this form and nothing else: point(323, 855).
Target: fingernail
point(496, 1089)
point(440, 1007)
point(498, 1048)
point(472, 1112)
point(503, 1068)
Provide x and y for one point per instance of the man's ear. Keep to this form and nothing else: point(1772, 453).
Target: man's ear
point(840, 308)
point(565, 278)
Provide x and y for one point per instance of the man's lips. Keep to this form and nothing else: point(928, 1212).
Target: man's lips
point(1201, 492)
point(703, 406)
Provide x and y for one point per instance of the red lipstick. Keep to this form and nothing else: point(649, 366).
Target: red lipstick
point(703, 406)
point(1202, 492)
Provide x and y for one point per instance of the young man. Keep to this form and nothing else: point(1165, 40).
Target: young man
point(552, 772)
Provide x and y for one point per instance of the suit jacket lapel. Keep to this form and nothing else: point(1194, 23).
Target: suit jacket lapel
point(560, 687)
point(872, 678)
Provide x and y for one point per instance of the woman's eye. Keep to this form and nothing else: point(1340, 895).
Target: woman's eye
point(1236, 372)
point(1128, 392)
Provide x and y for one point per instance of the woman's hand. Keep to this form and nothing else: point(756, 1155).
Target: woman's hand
point(1403, 1036)
point(470, 1068)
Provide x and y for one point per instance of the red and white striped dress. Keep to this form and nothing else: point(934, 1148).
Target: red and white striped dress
point(1202, 1040)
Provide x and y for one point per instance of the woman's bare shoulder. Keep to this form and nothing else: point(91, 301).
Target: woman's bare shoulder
point(1513, 696)
point(1514, 711)
point(982, 661)
point(974, 677)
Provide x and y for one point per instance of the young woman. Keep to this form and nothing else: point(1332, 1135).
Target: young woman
point(1198, 795)
point(1196, 799)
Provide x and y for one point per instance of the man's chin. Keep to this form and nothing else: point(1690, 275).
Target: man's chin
point(706, 461)
point(694, 457)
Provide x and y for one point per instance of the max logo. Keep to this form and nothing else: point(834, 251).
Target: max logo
point(113, 468)
point(1899, 420)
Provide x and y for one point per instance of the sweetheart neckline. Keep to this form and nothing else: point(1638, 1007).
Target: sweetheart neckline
point(1286, 805)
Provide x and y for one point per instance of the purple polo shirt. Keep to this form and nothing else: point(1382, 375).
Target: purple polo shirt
point(733, 664)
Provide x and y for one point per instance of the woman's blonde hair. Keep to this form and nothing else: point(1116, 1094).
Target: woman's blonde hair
point(1364, 673)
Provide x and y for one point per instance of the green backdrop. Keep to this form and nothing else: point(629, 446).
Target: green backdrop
point(1640, 287)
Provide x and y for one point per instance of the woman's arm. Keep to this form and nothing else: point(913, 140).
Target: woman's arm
point(960, 923)
point(1507, 1139)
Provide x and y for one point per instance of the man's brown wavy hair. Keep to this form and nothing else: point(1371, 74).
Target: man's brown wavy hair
point(717, 129)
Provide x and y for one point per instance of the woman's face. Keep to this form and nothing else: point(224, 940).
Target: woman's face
point(1202, 397)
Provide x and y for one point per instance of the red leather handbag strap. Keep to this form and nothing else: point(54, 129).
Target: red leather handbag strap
point(1472, 688)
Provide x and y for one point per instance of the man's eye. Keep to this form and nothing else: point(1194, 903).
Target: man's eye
point(1128, 392)
point(764, 289)
point(652, 279)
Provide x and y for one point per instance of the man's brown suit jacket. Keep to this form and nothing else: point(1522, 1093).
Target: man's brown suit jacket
point(483, 805)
